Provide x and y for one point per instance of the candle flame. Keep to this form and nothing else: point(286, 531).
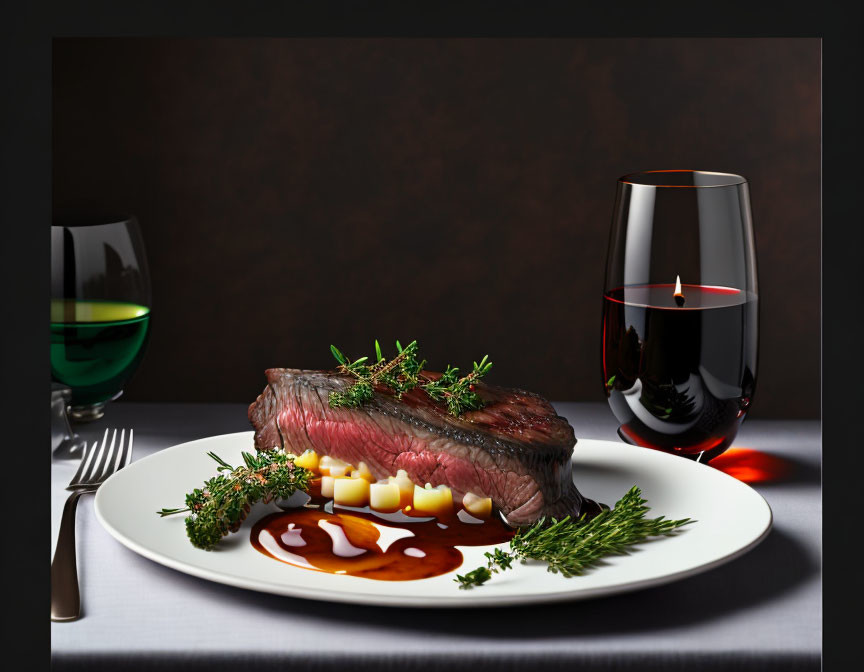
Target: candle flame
point(678, 295)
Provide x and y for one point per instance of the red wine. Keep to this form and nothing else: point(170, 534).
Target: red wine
point(679, 374)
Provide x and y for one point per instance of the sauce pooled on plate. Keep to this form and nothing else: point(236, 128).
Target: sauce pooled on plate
point(385, 546)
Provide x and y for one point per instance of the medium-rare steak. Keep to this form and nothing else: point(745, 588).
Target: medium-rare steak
point(515, 449)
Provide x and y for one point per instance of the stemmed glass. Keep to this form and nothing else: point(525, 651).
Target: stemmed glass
point(680, 311)
point(100, 309)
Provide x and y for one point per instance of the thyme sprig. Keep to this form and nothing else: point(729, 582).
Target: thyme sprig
point(572, 546)
point(403, 373)
point(458, 393)
point(222, 504)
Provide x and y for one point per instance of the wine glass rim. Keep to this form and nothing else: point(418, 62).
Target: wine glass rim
point(714, 179)
point(94, 220)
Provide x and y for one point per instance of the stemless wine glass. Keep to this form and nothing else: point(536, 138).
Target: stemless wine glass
point(100, 309)
point(680, 311)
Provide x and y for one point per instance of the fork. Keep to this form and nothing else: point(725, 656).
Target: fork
point(96, 466)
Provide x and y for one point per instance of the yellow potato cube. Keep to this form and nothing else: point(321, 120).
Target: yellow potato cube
point(351, 491)
point(308, 460)
point(384, 497)
point(362, 471)
point(327, 486)
point(406, 487)
point(433, 501)
point(330, 466)
point(479, 507)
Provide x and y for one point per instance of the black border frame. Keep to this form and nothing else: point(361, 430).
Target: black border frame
point(25, 159)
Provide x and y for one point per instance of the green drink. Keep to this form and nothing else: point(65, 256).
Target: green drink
point(96, 346)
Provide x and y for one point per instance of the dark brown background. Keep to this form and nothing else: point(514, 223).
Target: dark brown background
point(296, 193)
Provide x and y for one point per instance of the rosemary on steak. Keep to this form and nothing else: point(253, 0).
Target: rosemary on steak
point(570, 547)
point(222, 504)
point(403, 373)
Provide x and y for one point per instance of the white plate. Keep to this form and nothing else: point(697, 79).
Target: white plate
point(731, 519)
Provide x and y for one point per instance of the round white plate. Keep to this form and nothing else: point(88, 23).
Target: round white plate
point(731, 519)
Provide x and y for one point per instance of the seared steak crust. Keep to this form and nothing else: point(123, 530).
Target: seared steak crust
point(515, 449)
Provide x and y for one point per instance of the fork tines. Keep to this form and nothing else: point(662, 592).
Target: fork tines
point(97, 464)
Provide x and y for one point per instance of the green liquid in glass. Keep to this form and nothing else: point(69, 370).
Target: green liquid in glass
point(96, 346)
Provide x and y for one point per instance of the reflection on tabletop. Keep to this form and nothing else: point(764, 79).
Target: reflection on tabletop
point(753, 466)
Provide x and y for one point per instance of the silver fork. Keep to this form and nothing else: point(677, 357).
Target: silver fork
point(97, 464)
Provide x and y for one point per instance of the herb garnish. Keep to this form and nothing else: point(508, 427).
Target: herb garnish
point(403, 373)
point(222, 504)
point(570, 547)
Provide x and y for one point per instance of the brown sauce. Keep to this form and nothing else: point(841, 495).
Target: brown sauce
point(357, 542)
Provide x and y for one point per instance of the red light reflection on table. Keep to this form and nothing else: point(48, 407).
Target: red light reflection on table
point(752, 466)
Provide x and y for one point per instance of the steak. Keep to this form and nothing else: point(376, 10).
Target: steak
point(515, 450)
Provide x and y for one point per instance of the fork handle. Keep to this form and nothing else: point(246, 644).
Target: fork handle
point(65, 598)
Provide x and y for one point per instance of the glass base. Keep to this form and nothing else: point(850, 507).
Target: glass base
point(70, 448)
point(90, 412)
point(65, 444)
point(702, 457)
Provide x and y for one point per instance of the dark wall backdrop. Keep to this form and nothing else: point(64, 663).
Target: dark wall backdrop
point(299, 192)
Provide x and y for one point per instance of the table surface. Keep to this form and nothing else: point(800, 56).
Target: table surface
point(759, 612)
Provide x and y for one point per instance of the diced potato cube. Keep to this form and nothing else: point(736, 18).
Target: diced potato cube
point(327, 486)
point(384, 497)
point(433, 501)
point(362, 471)
point(330, 466)
point(351, 491)
point(406, 487)
point(308, 460)
point(479, 507)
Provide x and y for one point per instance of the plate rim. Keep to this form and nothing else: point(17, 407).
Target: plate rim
point(396, 599)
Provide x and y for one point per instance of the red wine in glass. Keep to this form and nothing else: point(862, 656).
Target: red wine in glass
point(679, 358)
point(679, 368)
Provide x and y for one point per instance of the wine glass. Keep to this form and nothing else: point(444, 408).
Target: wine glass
point(680, 311)
point(100, 309)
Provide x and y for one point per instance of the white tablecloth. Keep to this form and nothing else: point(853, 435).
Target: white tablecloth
point(760, 612)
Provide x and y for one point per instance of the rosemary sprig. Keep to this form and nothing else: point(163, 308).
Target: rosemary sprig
point(403, 373)
point(222, 504)
point(571, 547)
